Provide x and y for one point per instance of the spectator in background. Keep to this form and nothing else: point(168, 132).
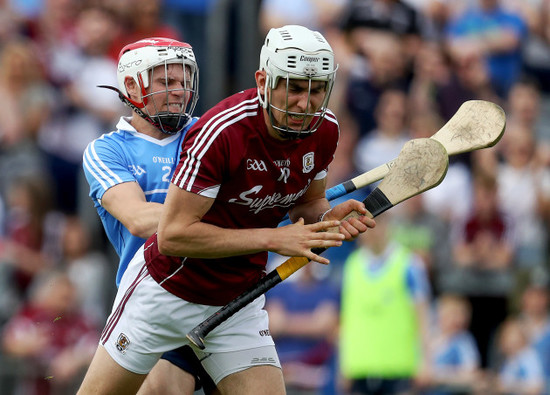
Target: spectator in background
point(482, 271)
point(431, 70)
point(493, 34)
point(385, 141)
point(31, 241)
point(11, 22)
point(470, 80)
point(436, 15)
point(455, 360)
point(379, 66)
point(84, 110)
point(534, 316)
point(26, 95)
point(25, 9)
point(545, 8)
point(384, 315)
point(441, 82)
point(191, 18)
point(536, 53)
point(382, 37)
point(362, 17)
point(53, 27)
point(52, 336)
point(303, 320)
point(425, 234)
point(143, 19)
point(27, 102)
point(520, 372)
point(524, 195)
point(524, 105)
point(525, 109)
point(88, 269)
point(318, 15)
point(535, 49)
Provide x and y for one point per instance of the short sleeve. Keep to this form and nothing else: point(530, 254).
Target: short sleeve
point(202, 164)
point(104, 166)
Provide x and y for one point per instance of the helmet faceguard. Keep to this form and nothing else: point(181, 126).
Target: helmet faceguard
point(296, 53)
point(142, 61)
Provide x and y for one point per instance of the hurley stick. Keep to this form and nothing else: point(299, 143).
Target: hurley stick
point(476, 124)
point(421, 165)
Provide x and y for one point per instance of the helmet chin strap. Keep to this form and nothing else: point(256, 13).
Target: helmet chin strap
point(169, 122)
point(166, 122)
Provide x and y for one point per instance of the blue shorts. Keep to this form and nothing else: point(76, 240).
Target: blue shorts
point(185, 359)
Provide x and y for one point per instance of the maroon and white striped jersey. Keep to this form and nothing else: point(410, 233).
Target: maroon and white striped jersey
point(255, 179)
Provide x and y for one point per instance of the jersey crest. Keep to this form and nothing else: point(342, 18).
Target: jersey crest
point(308, 162)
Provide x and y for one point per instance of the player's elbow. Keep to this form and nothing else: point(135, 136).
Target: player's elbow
point(140, 230)
point(167, 245)
point(164, 248)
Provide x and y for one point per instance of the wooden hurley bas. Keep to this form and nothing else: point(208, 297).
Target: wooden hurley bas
point(421, 165)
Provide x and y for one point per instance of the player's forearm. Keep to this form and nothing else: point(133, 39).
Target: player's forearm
point(201, 240)
point(128, 204)
point(142, 221)
point(309, 211)
point(312, 204)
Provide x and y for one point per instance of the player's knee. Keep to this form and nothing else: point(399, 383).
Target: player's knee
point(266, 379)
point(105, 376)
point(168, 379)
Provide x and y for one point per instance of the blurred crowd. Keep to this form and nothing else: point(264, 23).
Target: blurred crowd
point(448, 295)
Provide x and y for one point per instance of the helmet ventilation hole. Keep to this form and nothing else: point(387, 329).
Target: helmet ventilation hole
point(291, 62)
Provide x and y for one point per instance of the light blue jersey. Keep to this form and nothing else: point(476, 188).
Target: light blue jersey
point(126, 155)
point(459, 352)
point(523, 369)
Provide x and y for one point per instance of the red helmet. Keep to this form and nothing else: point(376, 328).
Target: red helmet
point(138, 61)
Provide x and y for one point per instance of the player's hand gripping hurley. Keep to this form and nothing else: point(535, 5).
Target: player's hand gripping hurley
point(421, 165)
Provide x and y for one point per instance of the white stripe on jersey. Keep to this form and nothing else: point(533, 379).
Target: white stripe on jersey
point(101, 177)
point(204, 140)
point(210, 192)
point(155, 191)
point(331, 117)
point(319, 176)
point(211, 140)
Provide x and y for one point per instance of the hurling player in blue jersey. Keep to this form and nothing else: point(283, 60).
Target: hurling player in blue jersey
point(129, 169)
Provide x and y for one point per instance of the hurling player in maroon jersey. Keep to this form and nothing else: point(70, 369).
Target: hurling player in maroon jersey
point(251, 159)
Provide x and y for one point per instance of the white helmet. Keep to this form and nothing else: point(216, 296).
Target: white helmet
point(137, 61)
point(295, 52)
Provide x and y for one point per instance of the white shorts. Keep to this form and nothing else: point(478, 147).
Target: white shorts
point(147, 321)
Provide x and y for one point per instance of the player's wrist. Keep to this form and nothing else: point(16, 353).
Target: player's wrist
point(323, 216)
